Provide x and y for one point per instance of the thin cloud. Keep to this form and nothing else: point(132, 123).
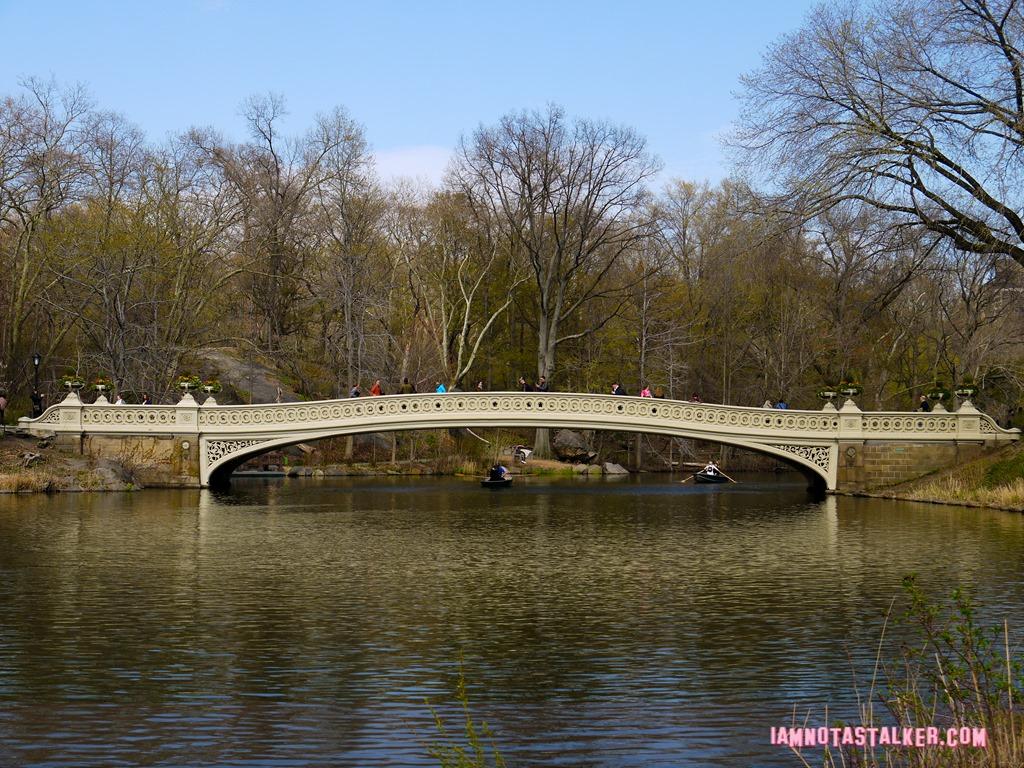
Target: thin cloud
point(425, 163)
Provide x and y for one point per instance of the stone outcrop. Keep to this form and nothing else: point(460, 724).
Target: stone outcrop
point(571, 446)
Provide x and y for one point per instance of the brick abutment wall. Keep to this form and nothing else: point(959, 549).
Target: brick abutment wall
point(872, 464)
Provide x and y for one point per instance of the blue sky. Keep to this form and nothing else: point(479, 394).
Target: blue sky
point(416, 75)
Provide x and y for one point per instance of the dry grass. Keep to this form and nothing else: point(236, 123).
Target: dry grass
point(53, 471)
point(995, 480)
point(953, 488)
point(26, 481)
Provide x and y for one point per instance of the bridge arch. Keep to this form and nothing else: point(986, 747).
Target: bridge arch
point(812, 461)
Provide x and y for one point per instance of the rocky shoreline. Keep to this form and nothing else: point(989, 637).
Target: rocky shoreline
point(30, 465)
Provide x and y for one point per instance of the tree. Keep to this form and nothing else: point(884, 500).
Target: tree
point(278, 179)
point(916, 108)
point(41, 171)
point(568, 199)
point(453, 272)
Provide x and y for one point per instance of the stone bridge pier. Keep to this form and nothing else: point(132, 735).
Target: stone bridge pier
point(195, 445)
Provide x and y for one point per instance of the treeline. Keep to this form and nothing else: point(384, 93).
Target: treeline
point(549, 250)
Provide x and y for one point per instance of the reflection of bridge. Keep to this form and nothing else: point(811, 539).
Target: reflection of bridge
point(191, 444)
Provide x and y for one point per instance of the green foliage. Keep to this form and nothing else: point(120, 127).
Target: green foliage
point(1006, 472)
point(191, 380)
point(950, 671)
point(938, 391)
point(72, 380)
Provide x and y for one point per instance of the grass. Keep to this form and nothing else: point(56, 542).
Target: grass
point(995, 480)
point(26, 481)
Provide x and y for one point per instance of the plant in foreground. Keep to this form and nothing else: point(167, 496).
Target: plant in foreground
point(470, 748)
point(951, 673)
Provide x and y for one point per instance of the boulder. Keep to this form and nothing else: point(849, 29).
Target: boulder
point(571, 446)
point(614, 469)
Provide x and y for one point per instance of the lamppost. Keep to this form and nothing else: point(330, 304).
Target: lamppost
point(36, 360)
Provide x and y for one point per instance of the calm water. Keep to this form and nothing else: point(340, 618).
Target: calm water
point(296, 623)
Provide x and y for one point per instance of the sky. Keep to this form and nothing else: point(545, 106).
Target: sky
point(416, 75)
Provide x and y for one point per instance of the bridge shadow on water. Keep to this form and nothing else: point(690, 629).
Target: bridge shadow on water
point(467, 491)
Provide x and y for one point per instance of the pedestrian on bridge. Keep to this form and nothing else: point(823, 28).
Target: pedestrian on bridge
point(441, 388)
point(376, 390)
point(355, 391)
point(37, 403)
point(3, 410)
point(924, 406)
point(406, 388)
point(542, 384)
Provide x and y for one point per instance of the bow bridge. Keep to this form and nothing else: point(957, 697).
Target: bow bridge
point(189, 444)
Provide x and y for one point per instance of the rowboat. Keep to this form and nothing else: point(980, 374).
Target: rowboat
point(709, 477)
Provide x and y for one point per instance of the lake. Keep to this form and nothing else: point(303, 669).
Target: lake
point(599, 623)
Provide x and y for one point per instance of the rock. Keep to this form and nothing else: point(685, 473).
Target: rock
point(372, 440)
point(318, 473)
point(614, 469)
point(571, 446)
point(580, 469)
point(28, 459)
point(244, 380)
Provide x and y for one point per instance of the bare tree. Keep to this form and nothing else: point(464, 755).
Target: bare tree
point(41, 171)
point(916, 108)
point(454, 270)
point(569, 199)
point(277, 179)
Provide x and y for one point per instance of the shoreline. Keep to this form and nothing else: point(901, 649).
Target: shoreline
point(27, 465)
point(928, 500)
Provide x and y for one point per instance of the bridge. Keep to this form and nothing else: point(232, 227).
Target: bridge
point(195, 445)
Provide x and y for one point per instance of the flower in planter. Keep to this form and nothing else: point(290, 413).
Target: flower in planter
point(212, 386)
point(828, 393)
point(850, 388)
point(938, 392)
point(966, 389)
point(72, 381)
point(102, 384)
point(189, 382)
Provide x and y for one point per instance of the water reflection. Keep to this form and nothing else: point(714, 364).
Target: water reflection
point(304, 623)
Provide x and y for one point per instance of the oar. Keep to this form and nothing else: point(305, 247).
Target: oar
point(688, 478)
point(727, 477)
